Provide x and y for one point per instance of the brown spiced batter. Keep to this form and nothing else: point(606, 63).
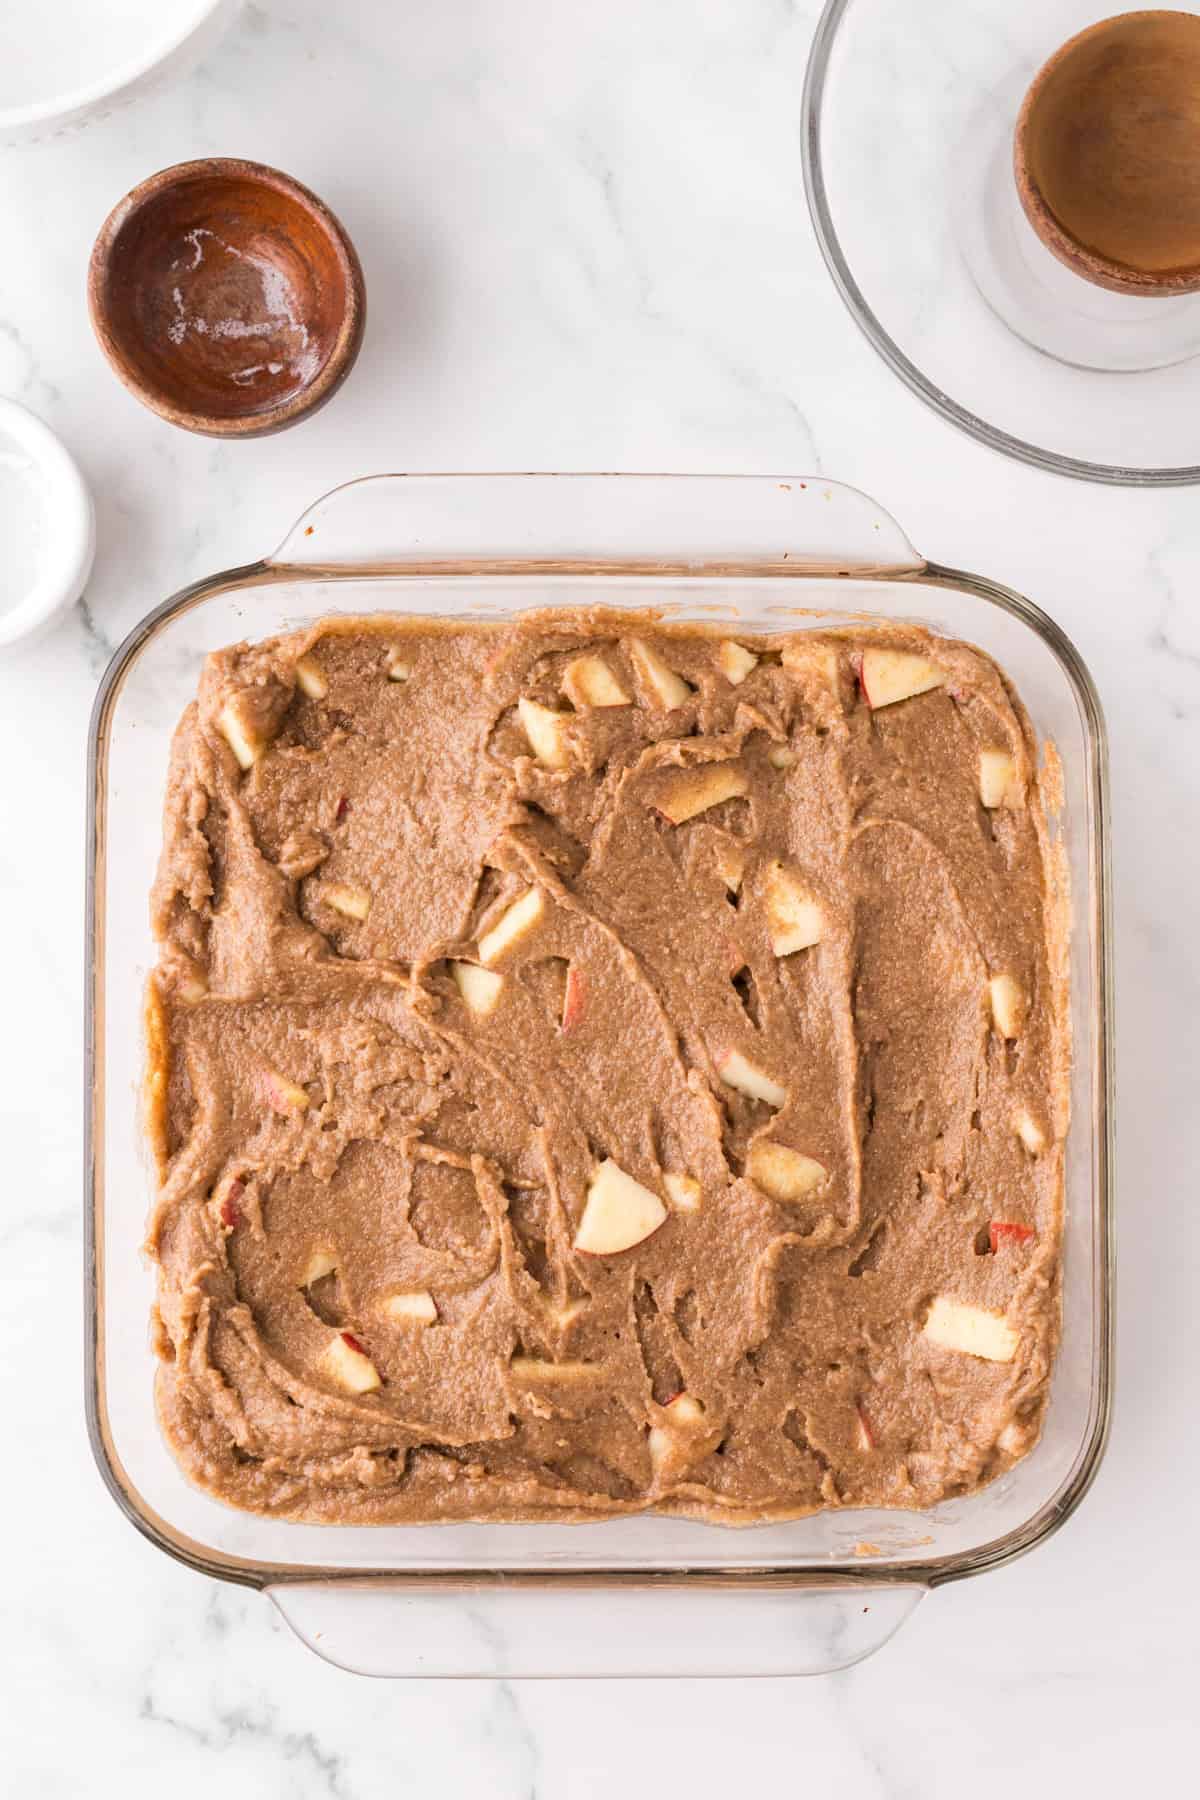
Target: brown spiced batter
point(595, 1067)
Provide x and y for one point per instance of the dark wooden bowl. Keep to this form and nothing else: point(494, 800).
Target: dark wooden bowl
point(227, 297)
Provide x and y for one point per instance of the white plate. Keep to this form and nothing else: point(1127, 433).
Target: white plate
point(65, 62)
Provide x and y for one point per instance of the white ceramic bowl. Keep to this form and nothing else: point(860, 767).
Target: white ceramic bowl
point(64, 63)
point(50, 523)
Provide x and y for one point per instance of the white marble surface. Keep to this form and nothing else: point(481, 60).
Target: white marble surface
point(586, 247)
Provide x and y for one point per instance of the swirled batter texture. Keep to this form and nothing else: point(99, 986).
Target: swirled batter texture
point(596, 1066)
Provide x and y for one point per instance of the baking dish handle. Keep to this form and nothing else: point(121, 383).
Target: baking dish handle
point(503, 1633)
point(786, 524)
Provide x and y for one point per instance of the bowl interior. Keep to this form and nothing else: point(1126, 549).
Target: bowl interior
point(223, 295)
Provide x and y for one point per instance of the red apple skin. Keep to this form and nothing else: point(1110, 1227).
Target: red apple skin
point(1007, 1231)
point(231, 1212)
point(343, 807)
point(348, 1337)
point(573, 997)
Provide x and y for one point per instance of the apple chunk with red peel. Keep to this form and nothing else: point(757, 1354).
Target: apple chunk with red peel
point(737, 1071)
point(351, 902)
point(310, 678)
point(667, 688)
point(618, 1213)
point(283, 1096)
point(588, 681)
point(892, 675)
point(480, 988)
point(512, 925)
point(735, 661)
point(692, 791)
point(795, 919)
point(863, 1434)
point(346, 1362)
point(973, 1330)
point(574, 993)
point(320, 1264)
point(998, 783)
point(417, 1308)
point(683, 1191)
point(782, 1173)
point(1007, 1000)
point(546, 731)
point(1008, 1231)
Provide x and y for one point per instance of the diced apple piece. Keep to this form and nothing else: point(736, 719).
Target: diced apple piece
point(955, 1325)
point(1008, 1231)
point(731, 863)
point(693, 791)
point(735, 661)
point(283, 1096)
point(1014, 1439)
point(1008, 1005)
point(320, 1264)
point(683, 1191)
point(891, 675)
point(228, 1199)
point(668, 688)
point(780, 756)
point(998, 784)
point(398, 666)
point(618, 1213)
point(347, 1363)
point(1029, 1131)
point(310, 678)
point(573, 997)
point(418, 1308)
point(351, 902)
point(534, 1368)
point(512, 925)
point(588, 681)
point(737, 1071)
point(784, 1174)
point(192, 989)
point(796, 921)
point(863, 1435)
point(480, 988)
point(238, 735)
point(673, 1443)
point(545, 730)
point(684, 1409)
point(820, 660)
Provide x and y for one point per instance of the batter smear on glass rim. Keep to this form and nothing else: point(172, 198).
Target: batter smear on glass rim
point(596, 1066)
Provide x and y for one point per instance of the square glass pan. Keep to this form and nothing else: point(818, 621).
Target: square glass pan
point(765, 555)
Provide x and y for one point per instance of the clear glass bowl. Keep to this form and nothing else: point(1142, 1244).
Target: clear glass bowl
point(816, 1593)
point(908, 116)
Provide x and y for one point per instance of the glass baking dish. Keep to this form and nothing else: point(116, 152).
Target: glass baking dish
point(544, 1599)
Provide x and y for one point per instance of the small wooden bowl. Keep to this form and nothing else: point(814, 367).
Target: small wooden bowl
point(227, 297)
point(1106, 154)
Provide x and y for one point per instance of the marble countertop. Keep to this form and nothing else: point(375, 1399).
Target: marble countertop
point(586, 247)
